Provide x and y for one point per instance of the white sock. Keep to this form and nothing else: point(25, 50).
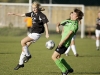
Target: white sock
point(67, 50)
point(27, 53)
point(74, 49)
point(97, 43)
point(21, 58)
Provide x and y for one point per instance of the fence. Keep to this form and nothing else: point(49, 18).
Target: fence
point(54, 13)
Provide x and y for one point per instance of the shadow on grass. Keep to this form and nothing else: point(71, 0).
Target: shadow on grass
point(52, 72)
point(85, 56)
point(98, 73)
point(74, 73)
point(7, 53)
point(89, 56)
point(87, 73)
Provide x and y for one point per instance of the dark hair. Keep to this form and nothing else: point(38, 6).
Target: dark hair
point(79, 13)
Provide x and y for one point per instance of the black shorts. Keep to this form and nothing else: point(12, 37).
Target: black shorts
point(61, 50)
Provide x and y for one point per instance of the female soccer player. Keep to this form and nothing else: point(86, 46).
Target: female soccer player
point(72, 45)
point(97, 31)
point(70, 28)
point(39, 25)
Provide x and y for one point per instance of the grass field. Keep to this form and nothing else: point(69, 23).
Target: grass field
point(88, 62)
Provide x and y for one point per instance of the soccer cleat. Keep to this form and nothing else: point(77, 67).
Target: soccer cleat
point(26, 59)
point(19, 66)
point(70, 70)
point(67, 54)
point(67, 72)
point(64, 74)
point(97, 48)
point(76, 55)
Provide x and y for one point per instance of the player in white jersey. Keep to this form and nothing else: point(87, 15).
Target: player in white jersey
point(97, 31)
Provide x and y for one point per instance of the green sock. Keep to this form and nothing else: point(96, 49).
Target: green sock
point(60, 65)
point(65, 63)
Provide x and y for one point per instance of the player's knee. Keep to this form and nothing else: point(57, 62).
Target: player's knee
point(53, 57)
point(22, 42)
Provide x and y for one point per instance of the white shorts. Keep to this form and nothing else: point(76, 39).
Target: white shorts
point(34, 36)
point(97, 33)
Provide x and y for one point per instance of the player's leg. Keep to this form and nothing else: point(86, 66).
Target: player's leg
point(25, 55)
point(60, 62)
point(20, 64)
point(97, 39)
point(34, 37)
point(25, 46)
point(25, 52)
point(67, 51)
point(73, 47)
point(29, 43)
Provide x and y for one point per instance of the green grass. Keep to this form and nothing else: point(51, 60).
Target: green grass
point(9, 31)
point(88, 62)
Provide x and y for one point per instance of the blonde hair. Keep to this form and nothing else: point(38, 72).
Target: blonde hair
point(38, 5)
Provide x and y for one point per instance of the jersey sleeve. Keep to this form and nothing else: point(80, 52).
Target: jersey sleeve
point(44, 19)
point(28, 14)
point(63, 23)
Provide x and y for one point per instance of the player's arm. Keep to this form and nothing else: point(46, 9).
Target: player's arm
point(66, 38)
point(62, 30)
point(46, 30)
point(58, 25)
point(97, 23)
point(45, 21)
point(57, 28)
point(21, 15)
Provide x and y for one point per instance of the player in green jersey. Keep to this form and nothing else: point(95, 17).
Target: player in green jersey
point(72, 45)
point(70, 28)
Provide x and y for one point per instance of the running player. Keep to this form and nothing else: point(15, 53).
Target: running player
point(39, 25)
point(97, 31)
point(70, 28)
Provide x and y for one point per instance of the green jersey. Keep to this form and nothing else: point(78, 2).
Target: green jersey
point(69, 25)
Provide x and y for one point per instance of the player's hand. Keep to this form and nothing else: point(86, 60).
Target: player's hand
point(47, 36)
point(58, 24)
point(60, 44)
point(57, 30)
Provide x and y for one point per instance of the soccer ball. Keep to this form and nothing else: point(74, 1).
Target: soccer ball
point(50, 44)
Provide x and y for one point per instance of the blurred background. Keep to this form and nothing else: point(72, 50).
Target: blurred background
point(55, 10)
